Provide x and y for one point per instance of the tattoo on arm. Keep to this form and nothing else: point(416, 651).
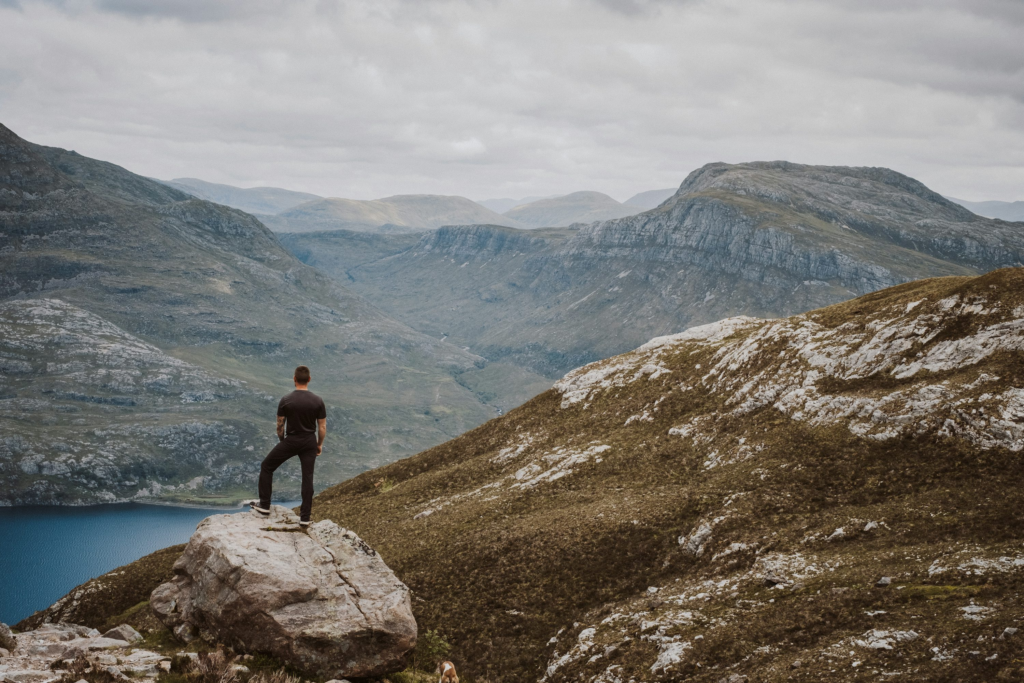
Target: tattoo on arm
point(280, 427)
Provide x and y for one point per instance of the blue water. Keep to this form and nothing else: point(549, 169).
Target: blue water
point(45, 551)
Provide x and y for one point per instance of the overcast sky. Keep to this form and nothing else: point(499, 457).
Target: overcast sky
point(487, 98)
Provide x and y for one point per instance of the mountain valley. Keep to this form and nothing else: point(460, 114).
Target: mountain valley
point(152, 332)
point(764, 239)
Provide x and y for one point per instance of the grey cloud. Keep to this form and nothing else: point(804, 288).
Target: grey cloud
point(367, 98)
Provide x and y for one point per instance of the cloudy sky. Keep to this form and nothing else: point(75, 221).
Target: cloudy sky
point(492, 98)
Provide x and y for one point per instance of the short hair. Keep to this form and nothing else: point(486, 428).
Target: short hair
point(302, 374)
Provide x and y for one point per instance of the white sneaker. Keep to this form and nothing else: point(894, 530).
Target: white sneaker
point(304, 524)
point(256, 506)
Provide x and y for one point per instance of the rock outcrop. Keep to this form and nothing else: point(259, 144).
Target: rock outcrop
point(7, 640)
point(319, 599)
point(52, 651)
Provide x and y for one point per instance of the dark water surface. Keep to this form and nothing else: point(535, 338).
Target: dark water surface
point(45, 551)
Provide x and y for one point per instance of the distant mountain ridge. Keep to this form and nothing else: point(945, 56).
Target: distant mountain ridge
point(650, 199)
point(502, 205)
point(764, 239)
point(1007, 211)
point(401, 213)
point(256, 200)
point(578, 207)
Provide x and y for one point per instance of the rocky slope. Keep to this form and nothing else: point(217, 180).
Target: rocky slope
point(147, 331)
point(398, 214)
point(762, 239)
point(833, 496)
point(578, 207)
point(255, 200)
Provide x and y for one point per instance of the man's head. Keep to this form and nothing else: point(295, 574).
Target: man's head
point(301, 376)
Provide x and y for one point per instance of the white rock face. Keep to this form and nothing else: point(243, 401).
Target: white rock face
point(51, 644)
point(322, 601)
point(788, 363)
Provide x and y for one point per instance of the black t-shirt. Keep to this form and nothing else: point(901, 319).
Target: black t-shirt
point(301, 410)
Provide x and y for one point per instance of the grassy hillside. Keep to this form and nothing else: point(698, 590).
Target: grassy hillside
point(835, 496)
point(727, 500)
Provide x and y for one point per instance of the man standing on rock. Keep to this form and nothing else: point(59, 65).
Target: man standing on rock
point(304, 415)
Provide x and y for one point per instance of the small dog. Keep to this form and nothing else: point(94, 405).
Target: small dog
point(447, 671)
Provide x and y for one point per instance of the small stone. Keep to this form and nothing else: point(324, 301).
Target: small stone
point(771, 580)
point(105, 660)
point(883, 582)
point(165, 665)
point(1007, 632)
point(796, 665)
point(4, 653)
point(124, 632)
point(117, 674)
point(870, 526)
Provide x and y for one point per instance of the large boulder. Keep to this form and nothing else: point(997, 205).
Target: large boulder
point(319, 598)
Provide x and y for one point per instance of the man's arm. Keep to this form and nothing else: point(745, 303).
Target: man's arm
point(280, 427)
point(321, 432)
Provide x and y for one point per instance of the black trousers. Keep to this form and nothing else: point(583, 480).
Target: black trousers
point(302, 445)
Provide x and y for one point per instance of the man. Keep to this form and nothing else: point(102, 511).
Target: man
point(301, 428)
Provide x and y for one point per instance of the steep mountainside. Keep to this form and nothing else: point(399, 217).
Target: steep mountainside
point(257, 200)
point(1007, 211)
point(398, 214)
point(650, 199)
point(578, 207)
point(837, 495)
point(147, 330)
point(764, 239)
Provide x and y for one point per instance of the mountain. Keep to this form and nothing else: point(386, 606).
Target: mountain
point(650, 199)
point(1007, 211)
point(836, 496)
point(504, 204)
point(145, 335)
point(578, 207)
point(763, 239)
point(258, 200)
point(398, 214)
